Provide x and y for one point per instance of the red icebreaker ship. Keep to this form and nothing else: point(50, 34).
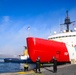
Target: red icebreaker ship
point(46, 49)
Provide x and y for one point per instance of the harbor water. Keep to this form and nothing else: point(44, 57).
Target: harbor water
point(12, 67)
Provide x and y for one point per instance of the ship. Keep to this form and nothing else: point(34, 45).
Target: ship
point(25, 55)
point(62, 46)
point(21, 59)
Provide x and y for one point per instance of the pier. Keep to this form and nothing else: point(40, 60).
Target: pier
point(67, 69)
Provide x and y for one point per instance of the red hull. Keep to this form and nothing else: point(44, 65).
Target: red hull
point(46, 49)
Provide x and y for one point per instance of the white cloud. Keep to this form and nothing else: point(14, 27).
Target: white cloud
point(6, 19)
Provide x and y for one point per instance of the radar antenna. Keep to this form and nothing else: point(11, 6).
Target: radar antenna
point(67, 22)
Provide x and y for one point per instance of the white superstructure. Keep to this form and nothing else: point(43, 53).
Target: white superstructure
point(67, 37)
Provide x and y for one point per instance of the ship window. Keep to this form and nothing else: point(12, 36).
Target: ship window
point(63, 36)
point(60, 36)
point(69, 35)
point(73, 35)
point(55, 37)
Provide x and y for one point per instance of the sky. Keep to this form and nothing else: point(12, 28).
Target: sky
point(42, 16)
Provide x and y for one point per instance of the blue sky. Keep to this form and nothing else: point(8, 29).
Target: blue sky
point(43, 17)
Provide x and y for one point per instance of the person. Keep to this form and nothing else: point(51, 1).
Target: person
point(38, 64)
point(54, 65)
point(25, 67)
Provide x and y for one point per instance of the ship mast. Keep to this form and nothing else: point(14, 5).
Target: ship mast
point(67, 22)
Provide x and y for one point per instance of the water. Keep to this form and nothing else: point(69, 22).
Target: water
point(12, 67)
point(9, 67)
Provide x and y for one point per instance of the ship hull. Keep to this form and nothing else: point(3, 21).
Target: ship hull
point(14, 60)
point(46, 50)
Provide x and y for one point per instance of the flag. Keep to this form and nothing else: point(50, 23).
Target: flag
point(28, 27)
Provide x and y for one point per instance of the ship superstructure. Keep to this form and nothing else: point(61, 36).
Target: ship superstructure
point(68, 36)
